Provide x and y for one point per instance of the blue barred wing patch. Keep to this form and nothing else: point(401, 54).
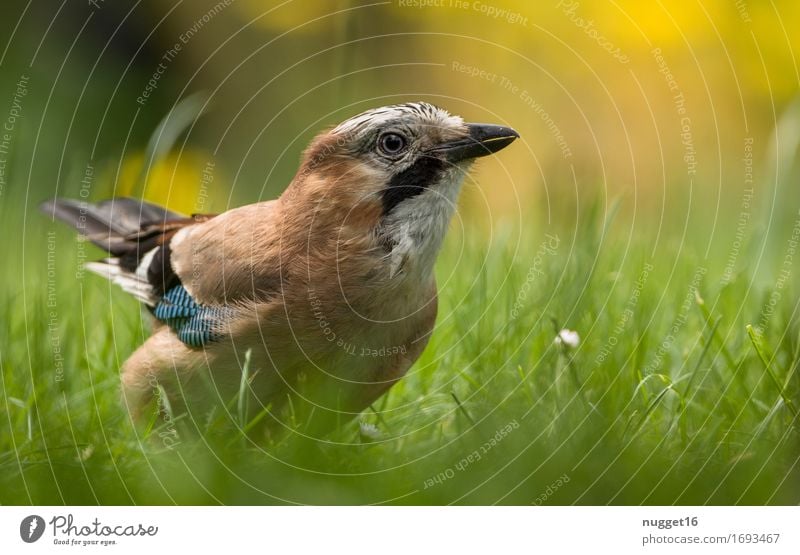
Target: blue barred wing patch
point(195, 324)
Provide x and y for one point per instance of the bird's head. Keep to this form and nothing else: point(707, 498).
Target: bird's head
point(394, 173)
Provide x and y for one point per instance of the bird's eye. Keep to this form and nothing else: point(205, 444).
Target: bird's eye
point(392, 143)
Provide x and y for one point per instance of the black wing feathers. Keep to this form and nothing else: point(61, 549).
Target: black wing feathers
point(129, 230)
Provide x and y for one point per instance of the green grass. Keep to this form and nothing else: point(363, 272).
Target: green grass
point(666, 400)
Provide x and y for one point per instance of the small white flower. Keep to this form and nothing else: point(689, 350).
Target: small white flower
point(368, 432)
point(85, 453)
point(568, 338)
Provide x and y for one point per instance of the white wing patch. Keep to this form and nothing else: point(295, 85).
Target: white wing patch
point(134, 283)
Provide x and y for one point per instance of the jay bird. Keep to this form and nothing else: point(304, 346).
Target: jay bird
point(330, 287)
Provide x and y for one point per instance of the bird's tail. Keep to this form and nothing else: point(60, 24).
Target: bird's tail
point(111, 223)
point(132, 232)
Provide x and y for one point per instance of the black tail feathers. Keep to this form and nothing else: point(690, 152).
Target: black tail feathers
point(108, 223)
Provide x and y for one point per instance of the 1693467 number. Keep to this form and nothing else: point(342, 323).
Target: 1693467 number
point(755, 538)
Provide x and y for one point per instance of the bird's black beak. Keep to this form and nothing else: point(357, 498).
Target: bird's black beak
point(483, 139)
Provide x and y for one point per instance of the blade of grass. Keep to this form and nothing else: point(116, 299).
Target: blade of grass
point(380, 418)
point(794, 363)
point(652, 406)
point(700, 359)
point(701, 304)
point(755, 340)
point(177, 120)
point(242, 404)
point(462, 409)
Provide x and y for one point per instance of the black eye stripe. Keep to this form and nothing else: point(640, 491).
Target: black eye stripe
point(412, 181)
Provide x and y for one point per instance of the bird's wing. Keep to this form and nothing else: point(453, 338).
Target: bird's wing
point(222, 267)
point(234, 257)
point(176, 265)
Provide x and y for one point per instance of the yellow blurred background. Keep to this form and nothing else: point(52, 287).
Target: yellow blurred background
point(653, 102)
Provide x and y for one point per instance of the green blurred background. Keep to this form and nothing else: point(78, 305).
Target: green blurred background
point(651, 132)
